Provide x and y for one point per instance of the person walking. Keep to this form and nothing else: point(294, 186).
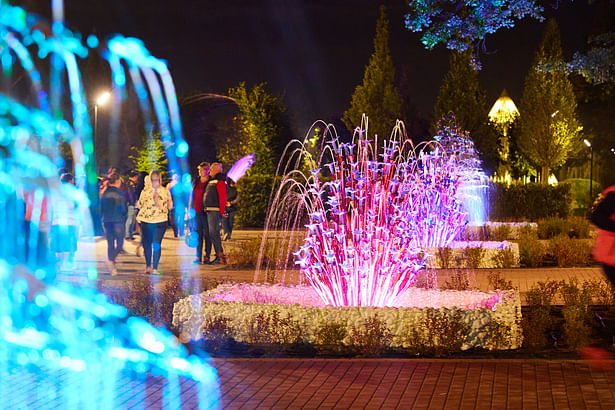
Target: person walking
point(113, 209)
point(232, 198)
point(154, 205)
point(131, 196)
point(603, 216)
point(64, 219)
point(214, 202)
point(202, 229)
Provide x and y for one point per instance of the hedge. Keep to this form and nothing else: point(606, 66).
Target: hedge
point(254, 192)
point(528, 201)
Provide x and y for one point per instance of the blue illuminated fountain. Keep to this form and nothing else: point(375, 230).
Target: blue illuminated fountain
point(65, 345)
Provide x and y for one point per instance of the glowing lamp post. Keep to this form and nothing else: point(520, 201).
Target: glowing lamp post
point(503, 114)
point(591, 168)
point(100, 100)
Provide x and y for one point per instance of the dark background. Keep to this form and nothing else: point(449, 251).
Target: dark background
point(313, 52)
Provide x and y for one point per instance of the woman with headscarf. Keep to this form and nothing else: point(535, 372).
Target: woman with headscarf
point(154, 204)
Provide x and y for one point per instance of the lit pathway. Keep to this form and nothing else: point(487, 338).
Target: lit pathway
point(364, 383)
point(411, 383)
point(177, 259)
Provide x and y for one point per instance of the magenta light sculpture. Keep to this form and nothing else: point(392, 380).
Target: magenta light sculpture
point(372, 215)
point(360, 249)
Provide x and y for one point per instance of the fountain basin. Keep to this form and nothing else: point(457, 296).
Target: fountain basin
point(239, 303)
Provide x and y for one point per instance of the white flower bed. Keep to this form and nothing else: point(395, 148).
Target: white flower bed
point(241, 302)
point(491, 249)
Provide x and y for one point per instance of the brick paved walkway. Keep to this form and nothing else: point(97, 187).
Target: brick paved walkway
point(413, 383)
point(362, 383)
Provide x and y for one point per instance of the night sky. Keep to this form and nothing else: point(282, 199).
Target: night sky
point(313, 52)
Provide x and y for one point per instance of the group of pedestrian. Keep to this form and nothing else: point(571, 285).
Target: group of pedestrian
point(213, 203)
point(142, 205)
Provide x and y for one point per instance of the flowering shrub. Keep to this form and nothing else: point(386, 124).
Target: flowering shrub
point(477, 310)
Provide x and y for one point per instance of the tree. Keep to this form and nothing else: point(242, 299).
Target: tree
point(461, 94)
point(417, 126)
point(377, 96)
point(262, 129)
point(151, 155)
point(461, 24)
point(549, 129)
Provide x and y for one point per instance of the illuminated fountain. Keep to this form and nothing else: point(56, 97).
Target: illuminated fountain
point(370, 222)
point(360, 229)
point(63, 344)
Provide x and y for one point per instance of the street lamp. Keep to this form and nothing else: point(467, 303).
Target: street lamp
point(502, 114)
point(100, 100)
point(591, 168)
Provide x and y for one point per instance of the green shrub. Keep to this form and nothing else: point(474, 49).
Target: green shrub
point(569, 252)
point(531, 250)
point(445, 332)
point(579, 190)
point(500, 233)
point(496, 281)
point(459, 280)
point(537, 322)
point(254, 192)
point(276, 253)
point(576, 328)
point(528, 230)
point(371, 338)
point(580, 227)
point(574, 227)
point(498, 332)
point(504, 258)
point(141, 299)
point(329, 337)
point(529, 201)
point(551, 227)
point(603, 293)
point(473, 256)
point(216, 333)
point(270, 328)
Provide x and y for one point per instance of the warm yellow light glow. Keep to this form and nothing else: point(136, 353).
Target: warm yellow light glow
point(102, 98)
point(504, 111)
point(586, 142)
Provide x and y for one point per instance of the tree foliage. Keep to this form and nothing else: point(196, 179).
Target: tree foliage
point(460, 24)
point(151, 155)
point(549, 129)
point(461, 94)
point(377, 96)
point(260, 126)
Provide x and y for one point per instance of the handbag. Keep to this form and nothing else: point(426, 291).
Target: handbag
point(192, 239)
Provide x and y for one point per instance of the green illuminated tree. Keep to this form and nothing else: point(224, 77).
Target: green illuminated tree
point(377, 96)
point(548, 125)
point(261, 128)
point(151, 155)
point(461, 94)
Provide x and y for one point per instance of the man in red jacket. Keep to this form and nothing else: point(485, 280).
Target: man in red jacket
point(214, 202)
point(200, 216)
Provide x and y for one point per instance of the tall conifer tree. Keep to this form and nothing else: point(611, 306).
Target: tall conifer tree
point(461, 94)
point(377, 96)
point(549, 129)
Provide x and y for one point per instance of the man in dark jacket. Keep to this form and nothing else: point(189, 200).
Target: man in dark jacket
point(214, 202)
point(113, 208)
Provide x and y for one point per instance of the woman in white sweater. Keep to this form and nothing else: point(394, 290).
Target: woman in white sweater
point(154, 205)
